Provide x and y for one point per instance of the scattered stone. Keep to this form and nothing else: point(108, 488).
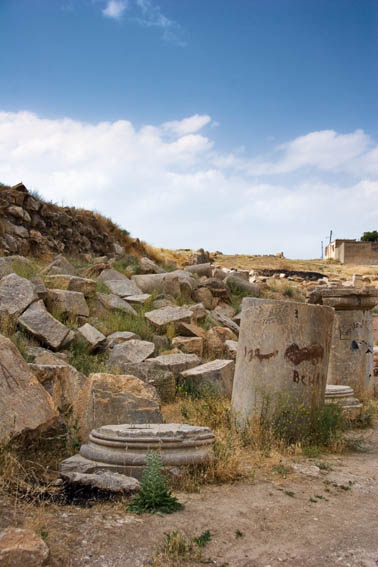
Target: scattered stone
point(92, 337)
point(16, 294)
point(111, 301)
point(59, 266)
point(152, 373)
point(119, 337)
point(22, 547)
point(105, 481)
point(149, 267)
point(217, 374)
point(111, 275)
point(177, 363)
point(39, 287)
point(238, 283)
point(166, 315)
point(125, 447)
point(204, 295)
point(189, 345)
point(37, 321)
point(106, 398)
point(218, 288)
point(24, 404)
point(216, 338)
point(201, 257)
point(307, 470)
point(62, 381)
point(70, 303)
point(123, 288)
point(231, 348)
point(225, 309)
point(219, 319)
point(140, 299)
point(161, 342)
point(72, 283)
point(200, 269)
point(130, 351)
point(198, 310)
point(191, 330)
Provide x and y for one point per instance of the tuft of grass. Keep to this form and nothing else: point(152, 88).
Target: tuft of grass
point(27, 270)
point(127, 265)
point(178, 548)
point(311, 451)
point(85, 362)
point(154, 495)
point(121, 321)
point(282, 470)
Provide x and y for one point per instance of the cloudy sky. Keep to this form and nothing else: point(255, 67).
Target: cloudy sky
point(247, 126)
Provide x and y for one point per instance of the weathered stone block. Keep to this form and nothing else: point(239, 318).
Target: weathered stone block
point(39, 323)
point(218, 375)
point(130, 351)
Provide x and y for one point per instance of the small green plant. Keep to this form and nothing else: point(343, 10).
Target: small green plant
point(324, 466)
point(84, 361)
point(154, 495)
point(203, 539)
point(282, 470)
point(238, 534)
point(311, 451)
point(178, 547)
point(127, 265)
point(289, 493)
point(72, 441)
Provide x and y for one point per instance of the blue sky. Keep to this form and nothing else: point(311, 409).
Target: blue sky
point(246, 126)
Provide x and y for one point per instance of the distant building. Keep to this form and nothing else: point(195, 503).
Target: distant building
point(352, 252)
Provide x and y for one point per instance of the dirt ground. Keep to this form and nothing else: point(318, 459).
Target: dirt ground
point(297, 520)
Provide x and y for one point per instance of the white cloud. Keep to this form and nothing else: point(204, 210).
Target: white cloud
point(168, 185)
point(114, 9)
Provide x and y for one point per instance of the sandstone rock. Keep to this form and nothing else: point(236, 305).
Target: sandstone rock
point(108, 275)
point(191, 330)
point(219, 319)
point(70, 303)
point(218, 288)
point(238, 283)
point(166, 315)
point(62, 381)
point(111, 301)
point(177, 363)
point(39, 323)
point(140, 299)
point(24, 404)
point(204, 295)
point(39, 287)
point(92, 337)
point(108, 398)
point(16, 294)
point(225, 309)
point(189, 345)
point(216, 338)
point(119, 337)
point(149, 267)
point(200, 269)
point(105, 481)
point(22, 547)
point(198, 310)
point(130, 351)
point(59, 266)
point(72, 283)
point(217, 374)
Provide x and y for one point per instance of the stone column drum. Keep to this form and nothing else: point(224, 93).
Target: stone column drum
point(282, 355)
point(351, 359)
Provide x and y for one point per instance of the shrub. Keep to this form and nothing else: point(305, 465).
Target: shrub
point(154, 495)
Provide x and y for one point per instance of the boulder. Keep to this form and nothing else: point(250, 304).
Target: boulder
point(91, 336)
point(204, 295)
point(22, 547)
point(37, 321)
point(59, 266)
point(119, 337)
point(123, 288)
point(69, 303)
point(106, 399)
point(62, 381)
point(189, 345)
point(72, 283)
point(111, 275)
point(217, 375)
point(149, 267)
point(24, 404)
point(16, 294)
point(235, 282)
point(177, 363)
point(130, 351)
point(105, 481)
point(111, 301)
point(172, 283)
point(161, 318)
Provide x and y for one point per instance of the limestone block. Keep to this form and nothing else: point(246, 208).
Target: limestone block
point(24, 404)
point(191, 330)
point(238, 283)
point(282, 357)
point(72, 283)
point(37, 321)
point(119, 337)
point(231, 348)
point(123, 288)
point(218, 288)
point(152, 373)
point(200, 269)
point(105, 481)
point(217, 374)
point(39, 287)
point(108, 398)
point(198, 311)
point(161, 318)
point(216, 338)
point(172, 283)
point(22, 547)
point(16, 294)
point(130, 351)
point(111, 275)
point(222, 320)
point(111, 301)
point(62, 381)
point(204, 295)
point(226, 309)
point(70, 303)
point(124, 448)
point(140, 299)
point(189, 345)
point(93, 338)
point(177, 363)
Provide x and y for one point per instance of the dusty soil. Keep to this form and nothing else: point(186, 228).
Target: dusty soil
point(296, 520)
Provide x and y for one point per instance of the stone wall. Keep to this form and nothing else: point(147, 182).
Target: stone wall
point(30, 226)
point(359, 253)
